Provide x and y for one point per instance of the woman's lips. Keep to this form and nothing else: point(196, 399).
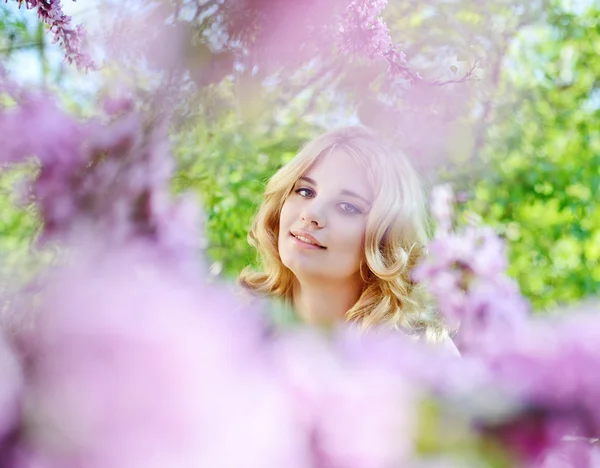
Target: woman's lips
point(306, 241)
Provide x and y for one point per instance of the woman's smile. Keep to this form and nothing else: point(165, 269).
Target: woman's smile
point(305, 243)
point(305, 239)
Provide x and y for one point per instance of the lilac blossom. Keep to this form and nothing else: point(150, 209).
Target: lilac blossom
point(143, 366)
point(432, 368)
point(362, 30)
point(106, 175)
point(50, 134)
point(466, 273)
point(357, 416)
point(549, 371)
point(69, 37)
point(442, 208)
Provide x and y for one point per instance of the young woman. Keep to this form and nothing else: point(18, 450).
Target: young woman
point(339, 231)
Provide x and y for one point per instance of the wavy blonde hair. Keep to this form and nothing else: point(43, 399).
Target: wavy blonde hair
point(395, 238)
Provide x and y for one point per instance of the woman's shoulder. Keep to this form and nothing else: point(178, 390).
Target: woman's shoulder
point(440, 339)
point(244, 295)
point(448, 345)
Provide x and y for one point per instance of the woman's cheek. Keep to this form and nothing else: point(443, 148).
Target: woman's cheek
point(351, 235)
point(286, 214)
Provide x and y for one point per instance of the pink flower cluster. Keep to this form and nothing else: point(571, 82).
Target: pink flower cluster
point(132, 362)
point(136, 364)
point(363, 31)
point(69, 37)
point(549, 374)
point(466, 273)
point(357, 412)
point(108, 175)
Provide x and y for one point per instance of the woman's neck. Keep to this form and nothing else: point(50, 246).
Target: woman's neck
point(324, 303)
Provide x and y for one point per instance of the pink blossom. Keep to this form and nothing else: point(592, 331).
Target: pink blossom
point(442, 208)
point(466, 273)
point(142, 367)
point(117, 105)
point(100, 176)
point(356, 415)
point(547, 370)
point(363, 31)
point(49, 133)
point(70, 38)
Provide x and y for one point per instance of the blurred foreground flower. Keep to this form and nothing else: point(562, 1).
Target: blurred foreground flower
point(356, 415)
point(550, 372)
point(106, 179)
point(134, 365)
point(466, 273)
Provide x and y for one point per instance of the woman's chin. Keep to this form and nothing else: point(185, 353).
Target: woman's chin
point(303, 268)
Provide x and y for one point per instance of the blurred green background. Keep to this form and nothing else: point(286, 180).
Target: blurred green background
point(521, 138)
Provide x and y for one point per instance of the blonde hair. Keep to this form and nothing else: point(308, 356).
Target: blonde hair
point(395, 238)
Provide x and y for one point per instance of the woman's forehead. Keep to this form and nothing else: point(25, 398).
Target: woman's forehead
point(339, 169)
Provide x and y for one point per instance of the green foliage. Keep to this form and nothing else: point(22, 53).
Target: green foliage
point(18, 227)
point(13, 29)
point(17, 224)
point(17, 31)
point(543, 190)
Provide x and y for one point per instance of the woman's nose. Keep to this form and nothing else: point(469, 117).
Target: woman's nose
point(314, 215)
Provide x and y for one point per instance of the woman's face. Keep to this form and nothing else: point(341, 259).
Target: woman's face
point(323, 221)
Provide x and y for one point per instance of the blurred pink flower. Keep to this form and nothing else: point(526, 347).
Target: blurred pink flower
point(49, 133)
point(137, 366)
point(109, 175)
point(442, 208)
point(361, 416)
point(466, 273)
point(363, 31)
point(548, 370)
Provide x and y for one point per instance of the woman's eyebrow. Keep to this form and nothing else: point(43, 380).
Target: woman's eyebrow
point(309, 180)
point(356, 195)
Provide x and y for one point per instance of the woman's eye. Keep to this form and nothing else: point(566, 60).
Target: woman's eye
point(305, 192)
point(349, 208)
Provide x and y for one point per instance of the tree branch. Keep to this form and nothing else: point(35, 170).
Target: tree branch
point(402, 70)
point(22, 45)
